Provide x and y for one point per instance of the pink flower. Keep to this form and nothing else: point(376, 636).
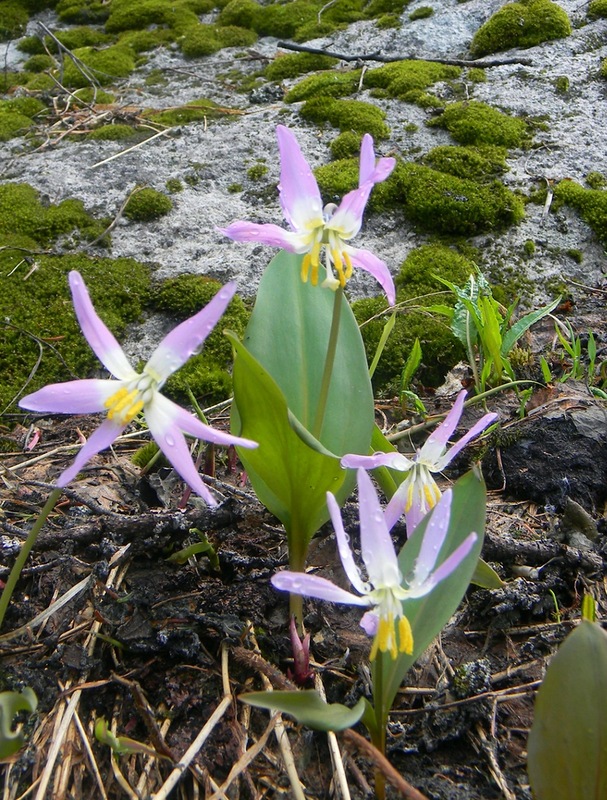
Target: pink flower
point(418, 493)
point(314, 227)
point(122, 399)
point(386, 588)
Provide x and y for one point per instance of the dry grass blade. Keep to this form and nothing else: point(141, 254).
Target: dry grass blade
point(336, 759)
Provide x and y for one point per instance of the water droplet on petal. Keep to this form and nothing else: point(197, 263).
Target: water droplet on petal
point(169, 440)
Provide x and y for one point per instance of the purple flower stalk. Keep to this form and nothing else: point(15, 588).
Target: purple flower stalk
point(122, 399)
point(419, 493)
point(314, 227)
point(386, 587)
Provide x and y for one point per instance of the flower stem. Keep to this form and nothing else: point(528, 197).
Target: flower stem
point(378, 735)
point(26, 548)
point(328, 369)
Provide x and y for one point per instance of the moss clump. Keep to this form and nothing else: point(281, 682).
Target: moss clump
point(477, 75)
point(590, 203)
point(476, 123)
point(529, 248)
point(134, 15)
point(388, 21)
point(174, 185)
point(13, 20)
point(39, 63)
point(598, 8)
point(146, 205)
point(38, 313)
point(402, 77)
point(477, 163)
point(596, 180)
point(346, 145)
point(203, 40)
point(421, 13)
point(416, 286)
point(257, 172)
point(182, 115)
point(207, 374)
point(89, 95)
point(440, 202)
point(16, 116)
point(83, 12)
point(604, 68)
point(561, 84)
point(326, 84)
point(106, 65)
point(353, 115)
point(294, 64)
point(112, 133)
point(522, 24)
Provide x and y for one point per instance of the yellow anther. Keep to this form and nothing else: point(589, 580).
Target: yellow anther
point(339, 266)
point(409, 500)
point(124, 404)
point(314, 259)
point(405, 635)
point(385, 638)
point(430, 495)
point(305, 267)
point(349, 268)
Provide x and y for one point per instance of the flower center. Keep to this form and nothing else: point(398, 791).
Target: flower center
point(389, 609)
point(323, 235)
point(124, 405)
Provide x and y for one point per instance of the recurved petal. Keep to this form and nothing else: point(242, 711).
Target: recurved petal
point(268, 233)
point(392, 460)
point(367, 159)
point(299, 195)
point(474, 431)
point(375, 542)
point(187, 338)
point(315, 586)
point(449, 565)
point(364, 259)
point(436, 443)
point(434, 538)
point(173, 444)
point(103, 437)
point(167, 410)
point(99, 337)
point(71, 397)
point(343, 545)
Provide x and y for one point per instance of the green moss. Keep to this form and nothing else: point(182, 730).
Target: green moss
point(421, 13)
point(143, 41)
point(89, 95)
point(476, 75)
point(561, 84)
point(13, 20)
point(139, 14)
point(234, 188)
point(325, 84)
point(597, 8)
point(590, 203)
point(416, 286)
point(472, 122)
point(200, 40)
point(182, 115)
point(112, 133)
point(240, 12)
point(234, 36)
point(445, 203)
point(596, 180)
point(576, 255)
point(146, 205)
point(477, 163)
point(603, 71)
point(107, 65)
point(522, 24)
point(207, 374)
point(8, 80)
point(346, 145)
point(529, 248)
point(16, 116)
point(257, 172)
point(353, 115)
point(39, 63)
point(37, 313)
point(388, 21)
point(174, 185)
point(401, 77)
point(294, 64)
point(83, 12)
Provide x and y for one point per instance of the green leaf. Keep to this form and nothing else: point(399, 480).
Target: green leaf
point(12, 703)
point(288, 334)
point(522, 325)
point(429, 614)
point(388, 327)
point(309, 708)
point(567, 746)
point(289, 477)
point(411, 365)
point(486, 577)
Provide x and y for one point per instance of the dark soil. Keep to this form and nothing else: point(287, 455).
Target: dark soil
point(141, 644)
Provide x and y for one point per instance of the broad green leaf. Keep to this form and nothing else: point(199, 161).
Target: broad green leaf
point(567, 746)
point(486, 577)
point(429, 614)
point(522, 325)
point(11, 703)
point(288, 334)
point(309, 708)
point(290, 477)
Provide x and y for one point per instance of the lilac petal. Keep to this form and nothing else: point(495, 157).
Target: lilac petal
point(315, 586)
point(348, 217)
point(176, 415)
point(343, 546)
point(71, 397)
point(187, 339)
point(363, 259)
point(474, 431)
point(367, 159)
point(99, 337)
point(268, 233)
point(434, 538)
point(370, 623)
point(396, 507)
point(435, 444)
point(449, 565)
point(97, 441)
point(375, 542)
point(299, 195)
point(414, 515)
point(393, 460)
point(174, 446)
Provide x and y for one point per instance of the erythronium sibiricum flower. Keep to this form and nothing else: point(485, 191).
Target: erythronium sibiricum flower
point(386, 587)
point(315, 227)
point(419, 493)
point(122, 399)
